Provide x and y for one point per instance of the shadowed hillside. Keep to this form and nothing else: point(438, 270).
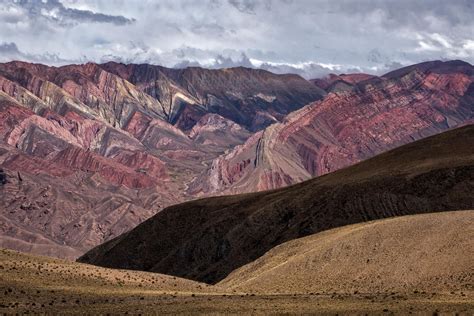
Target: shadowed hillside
point(207, 239)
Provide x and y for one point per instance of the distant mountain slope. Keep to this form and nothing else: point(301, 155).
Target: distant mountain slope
point(100, 148)
point(207, 239)
point(429, 252)
point(343, 82)
point(250, 97)
point(113, 144)
point(374, 115)
point(114, 92)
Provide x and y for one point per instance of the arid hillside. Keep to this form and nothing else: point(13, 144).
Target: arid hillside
point(207, 239)
point(410, 264)
point(423, 253)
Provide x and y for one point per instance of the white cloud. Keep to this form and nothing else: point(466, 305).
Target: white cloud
point(468, 45)
point(443, 41)
point(309, 37)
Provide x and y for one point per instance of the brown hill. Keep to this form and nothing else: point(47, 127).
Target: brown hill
point(410, 264)
point(41, 284)
point(207, 239)
point(424, 253)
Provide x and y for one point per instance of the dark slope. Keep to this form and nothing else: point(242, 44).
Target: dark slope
point(435, 66)
point(207, 239)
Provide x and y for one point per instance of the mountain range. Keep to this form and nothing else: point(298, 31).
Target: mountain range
point(87, 152)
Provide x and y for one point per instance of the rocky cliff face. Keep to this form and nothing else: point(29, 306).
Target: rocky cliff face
point(213, 129)
point(347, 127)
point(72, 182)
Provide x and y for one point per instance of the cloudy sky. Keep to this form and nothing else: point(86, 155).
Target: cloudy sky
point(309, 37)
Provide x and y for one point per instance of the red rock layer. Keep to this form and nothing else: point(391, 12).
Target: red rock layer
point(81, 128)
point(238, 94)
point(347, 127)
point(113, 144)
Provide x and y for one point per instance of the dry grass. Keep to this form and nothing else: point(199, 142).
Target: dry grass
point(36, 284)
point(431, 253)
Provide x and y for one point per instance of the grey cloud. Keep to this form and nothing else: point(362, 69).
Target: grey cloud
point(308, 37)
point(245, 6)
point(402, 13)
point(219, 61)
point(251, 6)
point(374, 56)
point(227, 62)
point(308, 71)
point(55, 11)
point(208, 29)
point(10, 51)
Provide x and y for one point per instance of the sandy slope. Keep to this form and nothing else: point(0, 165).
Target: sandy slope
point(417, 264)
point(431, 252)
